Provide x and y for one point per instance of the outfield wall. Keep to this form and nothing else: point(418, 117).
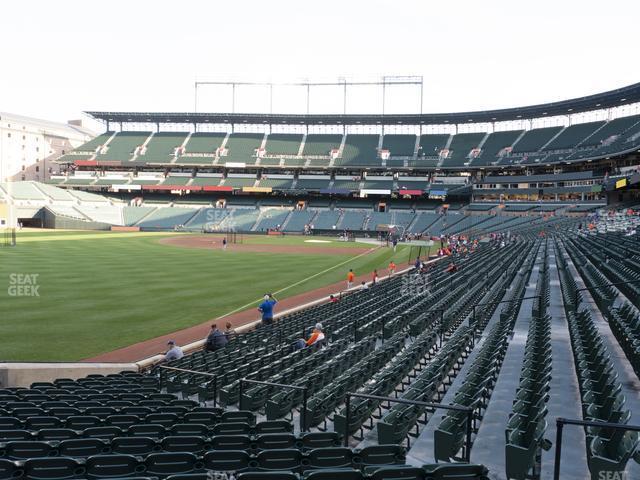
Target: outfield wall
point(52, 220)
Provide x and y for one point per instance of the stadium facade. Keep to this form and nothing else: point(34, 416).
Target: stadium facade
point(28, 146)
point(258, 172)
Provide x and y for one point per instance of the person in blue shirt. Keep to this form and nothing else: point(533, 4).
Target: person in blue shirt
point(215, 340)
point(266, 308)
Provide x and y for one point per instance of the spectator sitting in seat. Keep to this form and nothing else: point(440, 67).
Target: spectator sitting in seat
point(317, 336)
point(332, 299)
point(299, 344)
point(215, 340)
point(174, 352)
point(229, 331)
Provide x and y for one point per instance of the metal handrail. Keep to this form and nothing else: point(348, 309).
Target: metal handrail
point(599, 286)
point(214, 382)
point(457, 408)
point(561, 422)
point(513, 300)
point(303, 413)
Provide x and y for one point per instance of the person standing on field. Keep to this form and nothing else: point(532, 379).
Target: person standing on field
point(392, 268)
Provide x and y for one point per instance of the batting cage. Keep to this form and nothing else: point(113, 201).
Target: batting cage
point(8, 237)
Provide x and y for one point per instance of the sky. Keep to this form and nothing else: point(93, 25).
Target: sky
point(62, 57)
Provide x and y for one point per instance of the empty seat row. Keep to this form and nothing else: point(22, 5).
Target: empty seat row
point(608, 450)
point(164, 464)
point(156, 430)
point(85, 447)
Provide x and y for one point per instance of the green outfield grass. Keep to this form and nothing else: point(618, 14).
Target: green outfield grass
point(99, 291)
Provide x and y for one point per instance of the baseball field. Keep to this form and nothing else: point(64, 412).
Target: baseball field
point(71, 295)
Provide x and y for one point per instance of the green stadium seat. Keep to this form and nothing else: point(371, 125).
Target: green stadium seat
point(193, 444)
point(15, 434)
point(134, 445)
point(83, 447)
point(273, 426)
point(105, 466)
point(58, 434)
point(231, 442)
point(232, 428)
point(172, 463)
point(330, 457)
point(228, 461)
point(456, 472)
point(533, 140)
point(334, 474)
point(380, 455)
point(282, 475)
point(22, 450)
point(122, 421)
point(189, 429)
point(289, 459)
point(165, 419)
point(146, 430)
point(52, 468)
point(106, 432)
point(190, 476)
point(10, 469)
point(270, 441)
point(205, 418)
point(319, 440)
point(398, 473)
point(80, 422)
point(609, 457)
point(9, 423)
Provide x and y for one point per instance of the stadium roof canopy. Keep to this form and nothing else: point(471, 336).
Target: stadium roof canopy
point(612, 98)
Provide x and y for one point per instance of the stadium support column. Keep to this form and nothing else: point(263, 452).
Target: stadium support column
point(270, 99)
point(233, 98)
point(344, 98)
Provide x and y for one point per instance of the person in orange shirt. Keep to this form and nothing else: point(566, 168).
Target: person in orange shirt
point(374, 277)
point(392, 268)
point(317, 336)
point(350, 278)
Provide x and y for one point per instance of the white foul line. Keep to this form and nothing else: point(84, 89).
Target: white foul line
point(301, 281)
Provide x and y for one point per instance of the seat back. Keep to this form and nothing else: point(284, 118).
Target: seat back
point(170, 463)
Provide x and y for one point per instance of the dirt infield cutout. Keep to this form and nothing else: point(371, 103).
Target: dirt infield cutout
point(214, 242)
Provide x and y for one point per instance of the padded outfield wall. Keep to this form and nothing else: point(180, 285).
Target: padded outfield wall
point(51, 220)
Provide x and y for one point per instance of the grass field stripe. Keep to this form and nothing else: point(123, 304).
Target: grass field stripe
point(302, 281)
